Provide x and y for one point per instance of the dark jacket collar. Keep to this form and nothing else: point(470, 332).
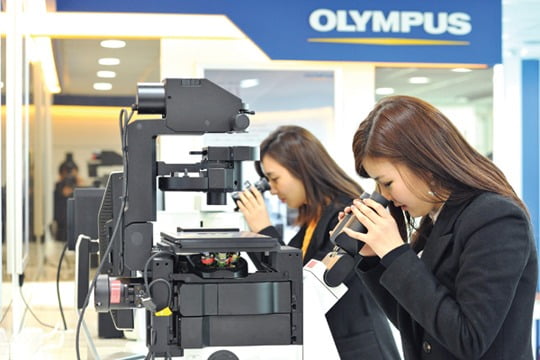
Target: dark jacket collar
point(441, 234)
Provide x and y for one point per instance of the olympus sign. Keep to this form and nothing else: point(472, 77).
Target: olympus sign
point(324, 20)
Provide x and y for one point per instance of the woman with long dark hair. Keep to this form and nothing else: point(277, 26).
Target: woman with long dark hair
point(464, 286)
point(304, 176)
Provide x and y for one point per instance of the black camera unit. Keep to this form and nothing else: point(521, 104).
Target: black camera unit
point(195, 285)
point(346, 248)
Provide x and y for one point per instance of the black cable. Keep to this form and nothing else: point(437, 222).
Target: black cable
point(169, 288)
point(31, 312)
point(188, 257)
point(145, 272)
point(145, 277)
point(58, 285)
point(124, 119)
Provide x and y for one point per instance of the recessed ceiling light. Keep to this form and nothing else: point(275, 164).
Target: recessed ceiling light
point(249, 83)
point(109, 61)
point(418, 80)
point(384, 91)
point(102, 86)
point(113, 44)
point(106, 74)
point(461, 70)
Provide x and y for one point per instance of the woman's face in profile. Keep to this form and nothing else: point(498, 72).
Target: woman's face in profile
point(288, 188)
point(400, 185)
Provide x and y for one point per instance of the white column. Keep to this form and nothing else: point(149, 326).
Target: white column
point(355, 97)
point(507, 120)
point(14, 155)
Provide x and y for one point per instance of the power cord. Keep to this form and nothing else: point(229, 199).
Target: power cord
point(8, 308)
point(124, 119)
point(58, 285)
point(21, 280)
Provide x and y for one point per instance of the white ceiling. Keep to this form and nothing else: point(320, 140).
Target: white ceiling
point(521, 28)
point(140, 63)
point(77, 65)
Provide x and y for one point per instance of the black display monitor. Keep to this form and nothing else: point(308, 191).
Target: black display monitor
point(82, 214)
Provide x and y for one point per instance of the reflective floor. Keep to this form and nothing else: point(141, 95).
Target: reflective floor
point(42, 335)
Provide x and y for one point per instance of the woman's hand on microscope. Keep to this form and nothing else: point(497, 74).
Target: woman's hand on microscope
point(252, 205)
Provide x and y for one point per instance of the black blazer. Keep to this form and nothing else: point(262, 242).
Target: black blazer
point(471, 293)
point(359, 327)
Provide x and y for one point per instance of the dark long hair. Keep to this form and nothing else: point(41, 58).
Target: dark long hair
point(411, 132)
point(303, 155)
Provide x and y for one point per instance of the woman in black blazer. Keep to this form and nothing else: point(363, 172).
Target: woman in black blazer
point(464, 287)
point(305, 177)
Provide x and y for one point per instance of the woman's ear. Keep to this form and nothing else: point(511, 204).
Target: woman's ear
point(433, 184)
point(433, 181)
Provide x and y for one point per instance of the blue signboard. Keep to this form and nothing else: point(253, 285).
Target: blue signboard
point(433, 31)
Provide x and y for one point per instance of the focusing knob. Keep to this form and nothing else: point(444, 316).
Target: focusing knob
point(240, 122)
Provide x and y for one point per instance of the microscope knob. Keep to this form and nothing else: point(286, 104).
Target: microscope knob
point(240, 122)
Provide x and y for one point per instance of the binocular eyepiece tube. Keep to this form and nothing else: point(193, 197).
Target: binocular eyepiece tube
point(346, 248)
point(262, 185)
point(341, 239)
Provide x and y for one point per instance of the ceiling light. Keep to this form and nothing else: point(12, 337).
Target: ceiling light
point(384, 91)
point(113, 44)
point(418, 80)
point(249, 83)
point(461, 70)
point(102, 86)
point(106, 74)
point(109, 61)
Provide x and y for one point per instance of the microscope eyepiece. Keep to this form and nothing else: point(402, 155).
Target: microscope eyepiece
point(262, 185)
point(346, 248)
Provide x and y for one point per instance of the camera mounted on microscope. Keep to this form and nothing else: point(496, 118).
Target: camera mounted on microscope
point(183, 103)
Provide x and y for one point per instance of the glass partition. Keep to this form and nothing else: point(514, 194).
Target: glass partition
point(465, 96)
